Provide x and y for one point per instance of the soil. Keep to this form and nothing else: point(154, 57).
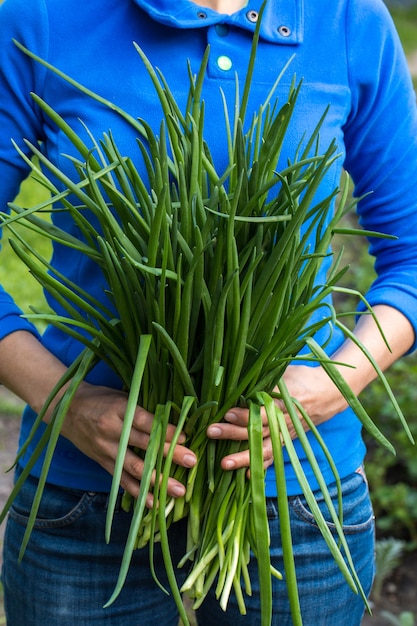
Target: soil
point(398, 593)
point(398, 596)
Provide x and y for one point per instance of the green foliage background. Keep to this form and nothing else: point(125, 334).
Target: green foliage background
point(14, 276)
point(406, 23)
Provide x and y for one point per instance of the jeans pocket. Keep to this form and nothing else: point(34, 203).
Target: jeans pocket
point(358, 514)
point(58, 507)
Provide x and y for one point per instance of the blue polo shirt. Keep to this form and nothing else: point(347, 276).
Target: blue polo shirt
point(349, 57)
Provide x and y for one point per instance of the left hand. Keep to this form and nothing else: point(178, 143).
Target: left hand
point(312, 388)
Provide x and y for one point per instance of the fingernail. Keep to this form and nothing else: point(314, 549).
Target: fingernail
point(149, 501)
point(229, 464)
point(231, 417)
point(178, 490)
point(214, 431)
point(189, 460)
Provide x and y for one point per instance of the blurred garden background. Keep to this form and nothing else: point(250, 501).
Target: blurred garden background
point(393, 479)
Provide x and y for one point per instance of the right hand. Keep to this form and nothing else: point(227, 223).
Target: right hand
point(94, 425)
point(95, 419)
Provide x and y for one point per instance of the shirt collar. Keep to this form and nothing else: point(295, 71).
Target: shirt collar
point(282, 22)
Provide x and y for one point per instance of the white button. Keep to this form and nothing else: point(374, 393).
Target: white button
point(224, 62)
point(284, 31)
point(252, 16)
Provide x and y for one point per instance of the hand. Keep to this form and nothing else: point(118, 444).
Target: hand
point(235, 428)
point(94, 424)
point(95, 419)
point(312, 388)
point(314, 391)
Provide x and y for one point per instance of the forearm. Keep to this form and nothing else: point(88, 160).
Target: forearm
point(314, 389)
point(399, 337)
point(28, 369)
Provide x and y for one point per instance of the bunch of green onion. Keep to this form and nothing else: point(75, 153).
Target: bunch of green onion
point(213, 284)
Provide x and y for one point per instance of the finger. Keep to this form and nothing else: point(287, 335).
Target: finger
point(227, 431)
point(139, 439)
point(143, 422)
point(132, 475)
point(242, 459)
point(237, 416)
point(280, 404)
point(182, 455)
point(240, 417)
point(222, 430)
point(132, 487)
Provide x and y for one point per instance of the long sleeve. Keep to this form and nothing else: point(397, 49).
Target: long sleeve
point(381, 148)
point(18, 119)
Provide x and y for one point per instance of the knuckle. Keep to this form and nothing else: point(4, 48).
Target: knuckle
point(136, 467)
point(142, 418)
point(139, 439)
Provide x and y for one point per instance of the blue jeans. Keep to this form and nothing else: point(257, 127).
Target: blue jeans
point(325, 598)
point(68, 572)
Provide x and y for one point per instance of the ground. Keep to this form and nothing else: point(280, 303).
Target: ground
point(399, 592)
point(398, 595)
point(9, 430)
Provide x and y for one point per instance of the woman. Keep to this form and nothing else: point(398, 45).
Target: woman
point(350, 58)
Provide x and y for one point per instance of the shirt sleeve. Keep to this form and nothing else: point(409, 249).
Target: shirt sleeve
point(381, 148)
point(25, 22)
